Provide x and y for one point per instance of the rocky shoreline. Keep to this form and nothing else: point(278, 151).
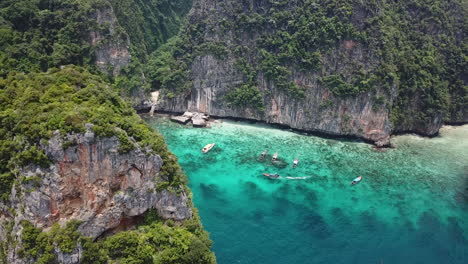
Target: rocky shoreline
point(184, 119)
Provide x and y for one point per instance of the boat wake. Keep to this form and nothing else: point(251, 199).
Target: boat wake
point(297, 178)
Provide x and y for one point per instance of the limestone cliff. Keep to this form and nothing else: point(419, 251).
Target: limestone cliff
point(110, 43)
point(89, 181)
point(338, 67)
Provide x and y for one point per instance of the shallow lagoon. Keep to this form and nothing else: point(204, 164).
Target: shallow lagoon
point(411, 207)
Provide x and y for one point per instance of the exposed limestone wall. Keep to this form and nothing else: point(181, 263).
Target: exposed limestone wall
point(93, 183)
point(361, 116)
point(354, 116)
point(111, 45)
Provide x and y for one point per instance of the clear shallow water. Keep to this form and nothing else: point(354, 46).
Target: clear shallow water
point(411, 207)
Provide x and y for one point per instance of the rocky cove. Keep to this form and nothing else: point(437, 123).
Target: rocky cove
point(410, 206)
point(251, 61)
point(84, 180)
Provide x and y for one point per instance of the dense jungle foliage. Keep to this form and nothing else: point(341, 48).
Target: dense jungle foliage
point(149, 24)
point(36, 35)
point(34, 105)
point(153, 241)
point(413, 51)
point(37, 98)
point(39, 34)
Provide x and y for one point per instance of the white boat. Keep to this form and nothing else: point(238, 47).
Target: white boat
point(296, 161)
point(208, 147)
point(275, 156)
point(358, 179)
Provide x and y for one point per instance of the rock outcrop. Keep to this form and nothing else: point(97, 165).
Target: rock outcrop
point(366, 115)
point(93, 183)
point(353, 116)
point(197, 119)
point(111, 47)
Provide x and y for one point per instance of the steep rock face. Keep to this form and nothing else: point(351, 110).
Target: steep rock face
point(111, 46)
point(367, 114)
point(93, 183)
point(213, 79)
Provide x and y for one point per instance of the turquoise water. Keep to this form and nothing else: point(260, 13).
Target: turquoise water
point(411, 206)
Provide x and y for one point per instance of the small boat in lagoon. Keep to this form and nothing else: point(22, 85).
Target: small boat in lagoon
point(208, 147)
point(262, 156)
point(273, 176)
point(358, 179)
point(296, 161)
point(275, 156)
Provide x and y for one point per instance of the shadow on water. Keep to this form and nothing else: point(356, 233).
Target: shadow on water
point(370, 222)
point(253, 192)
point(257, 216)
point(340, 220)
point(428, 227)
point(221, 214)
point(461, 196)
point(281, 206)
point(212, 192)
point(455, 232)
point(210, 159)
point(314, 224)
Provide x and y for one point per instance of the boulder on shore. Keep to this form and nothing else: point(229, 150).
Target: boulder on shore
point(198, 119)
point(180, 119)
point(188, 114)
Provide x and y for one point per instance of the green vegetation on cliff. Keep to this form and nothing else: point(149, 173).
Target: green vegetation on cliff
point(150, 23)
point(49, 82)
point(36, 35)
point(154, 241)
point(34, 105)
point(41, 34)
point(412, 53)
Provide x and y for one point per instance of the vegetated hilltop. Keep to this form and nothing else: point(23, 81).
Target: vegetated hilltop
point(74, 153)
point(343, 67)
point(82, 178)
point(114, 37)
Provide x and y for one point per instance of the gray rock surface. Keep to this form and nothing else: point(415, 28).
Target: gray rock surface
point(199, 120)
point(181, 119)
point(111, 48)
point(320, 111)
point(92, 182)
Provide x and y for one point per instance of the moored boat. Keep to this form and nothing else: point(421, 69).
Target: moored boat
point(208, 147)
point(296, 161)
point(273, 176)
point(358, 179)
point(275, 156)
point(262, 156)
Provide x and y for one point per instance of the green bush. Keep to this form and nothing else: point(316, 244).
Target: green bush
point(246, 95)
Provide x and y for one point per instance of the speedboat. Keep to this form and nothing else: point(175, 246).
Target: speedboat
point(262, 156)
point(208, 147)
point(275, 156)
point(358, 179)
point(273, 176)
point(296, 161)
